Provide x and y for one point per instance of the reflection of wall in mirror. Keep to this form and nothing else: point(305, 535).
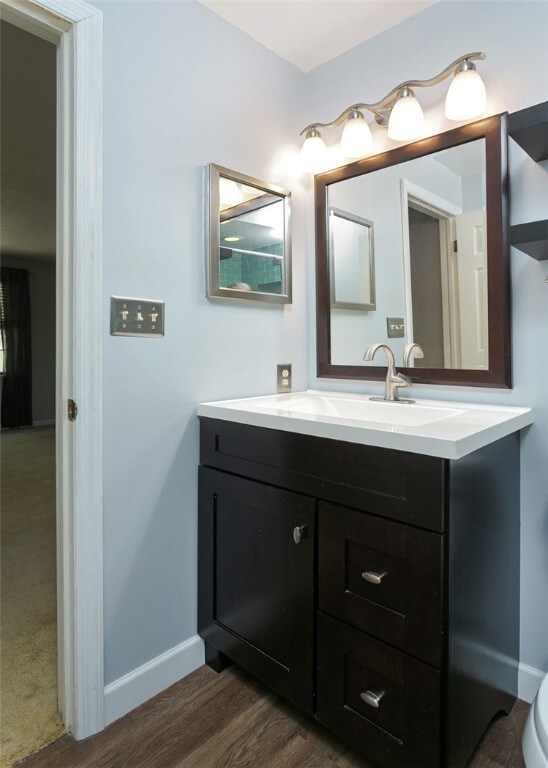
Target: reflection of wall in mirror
point(377, 197)
point(351, 256)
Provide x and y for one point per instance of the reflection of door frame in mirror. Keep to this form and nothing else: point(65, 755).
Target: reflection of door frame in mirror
point(444, 211)
point(212, 203)
point(499, 374)
point(363, 306)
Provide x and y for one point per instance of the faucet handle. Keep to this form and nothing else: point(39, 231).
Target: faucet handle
point(401, 380)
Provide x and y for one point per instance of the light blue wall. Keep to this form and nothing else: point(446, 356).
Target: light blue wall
point(182, 88)
point(515, 37)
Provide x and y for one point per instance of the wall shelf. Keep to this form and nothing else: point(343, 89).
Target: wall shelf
point(529, 128)
point(531, 238)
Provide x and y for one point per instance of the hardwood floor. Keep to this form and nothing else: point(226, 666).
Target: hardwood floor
point(232, 721)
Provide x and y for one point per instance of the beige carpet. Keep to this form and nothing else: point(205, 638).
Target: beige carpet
point(28, 665)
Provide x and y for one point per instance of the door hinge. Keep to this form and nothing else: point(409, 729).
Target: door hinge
point(455, 246)
point(72, 410)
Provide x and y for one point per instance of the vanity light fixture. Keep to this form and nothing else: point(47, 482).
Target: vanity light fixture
point(400, 112)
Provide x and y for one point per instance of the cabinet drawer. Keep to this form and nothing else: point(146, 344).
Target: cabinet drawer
point(382, 577)
point(403, 486)
point(404, 729)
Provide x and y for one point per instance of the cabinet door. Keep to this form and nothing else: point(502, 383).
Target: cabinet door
point(256, 578)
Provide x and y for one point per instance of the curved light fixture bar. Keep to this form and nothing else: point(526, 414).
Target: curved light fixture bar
point(382, 109)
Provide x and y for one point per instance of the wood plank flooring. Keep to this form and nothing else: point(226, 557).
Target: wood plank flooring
point(232, 721)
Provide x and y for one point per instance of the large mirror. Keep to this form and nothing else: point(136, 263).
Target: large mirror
point(249, 243)
point(435, 212)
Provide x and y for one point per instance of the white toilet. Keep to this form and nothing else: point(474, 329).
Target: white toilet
point(535, 734)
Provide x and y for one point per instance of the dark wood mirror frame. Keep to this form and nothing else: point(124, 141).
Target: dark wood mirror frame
point(499, 373)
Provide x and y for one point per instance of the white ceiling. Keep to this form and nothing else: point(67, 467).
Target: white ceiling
point(310, 32)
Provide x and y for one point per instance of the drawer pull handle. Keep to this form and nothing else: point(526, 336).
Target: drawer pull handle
point(371, 698)
point(299, 533)
point(374, 577)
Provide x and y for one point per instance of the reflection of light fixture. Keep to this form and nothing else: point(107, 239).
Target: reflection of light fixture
point(229, 192)
point(400, 112)
point(232, 239)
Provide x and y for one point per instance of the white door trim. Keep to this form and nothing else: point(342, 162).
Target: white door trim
point(76, 29)
point(446, 209)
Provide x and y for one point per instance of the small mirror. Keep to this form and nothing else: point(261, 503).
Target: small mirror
point(249, 254)
point(351, 261)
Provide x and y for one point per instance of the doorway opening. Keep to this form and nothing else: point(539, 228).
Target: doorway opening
point(29, 716)
point(75, 30)
point(434, 284)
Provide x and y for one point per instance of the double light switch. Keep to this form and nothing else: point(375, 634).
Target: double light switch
point(136, 317)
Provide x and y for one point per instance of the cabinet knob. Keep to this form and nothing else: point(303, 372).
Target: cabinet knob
point(299, 533)
point(374, 577)
point(372, 698)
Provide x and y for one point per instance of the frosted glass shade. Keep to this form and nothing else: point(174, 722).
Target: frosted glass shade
point(356, 139)
point(313, 153)
point(466, 97)
point(406, 119)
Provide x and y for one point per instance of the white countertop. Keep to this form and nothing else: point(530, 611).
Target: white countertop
point(448, 430)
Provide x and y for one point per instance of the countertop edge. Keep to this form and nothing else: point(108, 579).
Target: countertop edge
point(426, 445)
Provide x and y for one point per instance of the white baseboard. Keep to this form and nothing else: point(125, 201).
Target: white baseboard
point(140, 685)
point(43, 423)
point(529, 680)
point(151, 678)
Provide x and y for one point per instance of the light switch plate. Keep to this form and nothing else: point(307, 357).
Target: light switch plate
point(136, 317)
point(395, 327)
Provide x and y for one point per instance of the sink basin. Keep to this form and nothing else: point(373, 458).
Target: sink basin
point(434, 428)
point(396, 414)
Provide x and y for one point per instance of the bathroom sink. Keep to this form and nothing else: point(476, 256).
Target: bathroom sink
point(358, 409)
point(434, 428)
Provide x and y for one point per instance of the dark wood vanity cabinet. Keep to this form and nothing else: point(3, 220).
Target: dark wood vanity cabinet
point(378, 590)
point(256, 583)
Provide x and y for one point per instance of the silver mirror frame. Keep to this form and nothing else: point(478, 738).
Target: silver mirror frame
point(212, 204)
point(363, 307)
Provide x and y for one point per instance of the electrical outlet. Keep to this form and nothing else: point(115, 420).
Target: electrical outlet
point(284, 378)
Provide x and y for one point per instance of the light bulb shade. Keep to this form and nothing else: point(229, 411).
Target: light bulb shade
point(313, 152)
point(356, 139)
point(466, 97)
point(406, 118)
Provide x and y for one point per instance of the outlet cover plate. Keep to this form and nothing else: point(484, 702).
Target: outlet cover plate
point(284, 378)
point(136, 317)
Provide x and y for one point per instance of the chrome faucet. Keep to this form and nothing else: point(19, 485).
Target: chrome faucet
point(394, 380)
point(411, 350)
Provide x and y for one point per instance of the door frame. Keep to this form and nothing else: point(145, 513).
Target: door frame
point(445, 211)
point(75, 27)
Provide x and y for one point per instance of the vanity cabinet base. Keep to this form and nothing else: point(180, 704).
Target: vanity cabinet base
point(377, 590)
